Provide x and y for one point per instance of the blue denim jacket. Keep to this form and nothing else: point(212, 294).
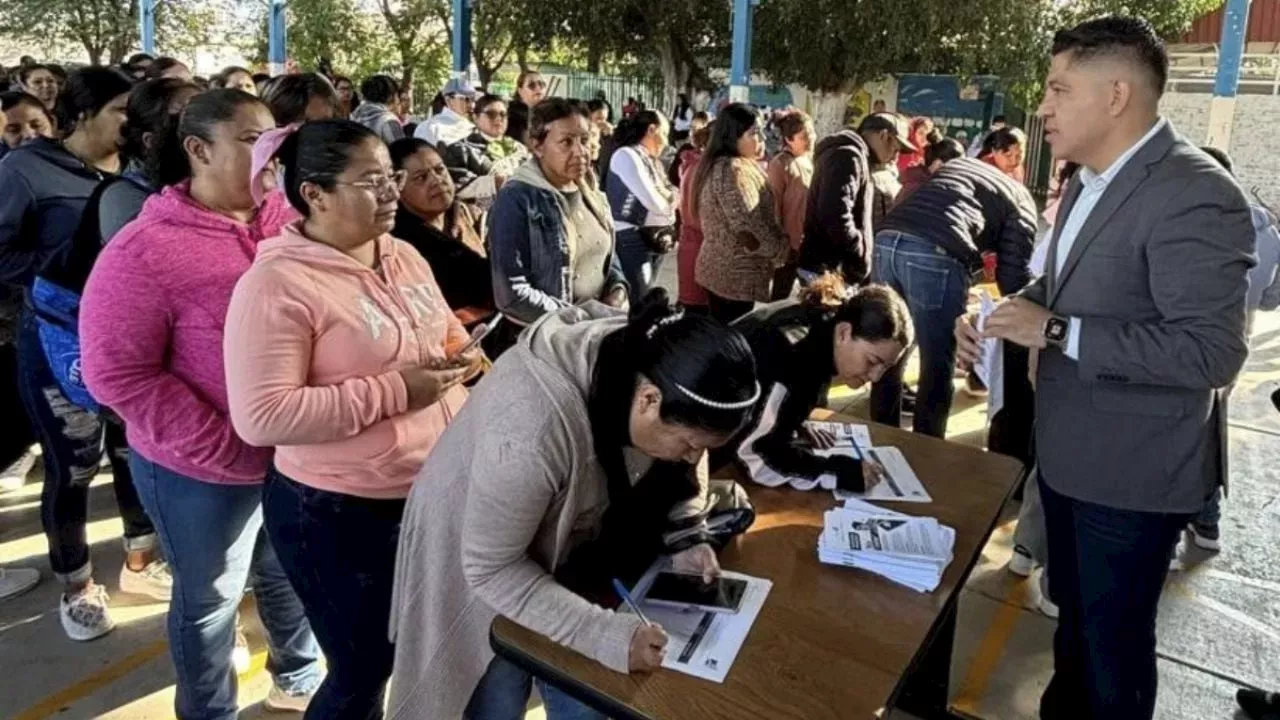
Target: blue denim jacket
point(529, 248)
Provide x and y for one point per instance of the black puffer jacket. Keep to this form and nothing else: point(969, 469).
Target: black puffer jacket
point(467, 159)
point(837, 222)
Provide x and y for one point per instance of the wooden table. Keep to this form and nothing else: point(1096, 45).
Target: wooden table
point(830, 642)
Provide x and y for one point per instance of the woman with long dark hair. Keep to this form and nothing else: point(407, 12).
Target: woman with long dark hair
point(642, 201)
point(531, 89)
point(234, 78)
point(568, 465)
point(742, 243)
point(153, 318)
point(298, 98)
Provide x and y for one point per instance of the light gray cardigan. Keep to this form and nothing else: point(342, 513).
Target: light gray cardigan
point(491, 514)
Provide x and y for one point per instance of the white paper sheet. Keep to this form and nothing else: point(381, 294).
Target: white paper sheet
point(901, 484)
point(859, 435)
point(912, 551)
point(990, 365)
point(704, 644)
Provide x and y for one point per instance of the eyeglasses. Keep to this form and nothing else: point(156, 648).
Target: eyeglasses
point(380, 185)
point(494, 114)
point(535, 84)
point(464, 98)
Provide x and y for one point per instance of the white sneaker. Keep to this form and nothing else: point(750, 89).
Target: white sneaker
point(15, 581)
point(15, 476)
point(1021, 563)
point(240, 656)
point(1043, 603)
point(280, 701)
point(154, 581)
point(85, 615)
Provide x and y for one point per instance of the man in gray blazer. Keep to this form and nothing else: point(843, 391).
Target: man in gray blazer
point(1139, 322)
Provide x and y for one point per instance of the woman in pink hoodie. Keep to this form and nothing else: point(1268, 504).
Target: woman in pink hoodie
point(342, 353)
point(151, 325)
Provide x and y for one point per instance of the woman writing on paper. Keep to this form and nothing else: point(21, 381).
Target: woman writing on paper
point(801, 346)
point(576, 453)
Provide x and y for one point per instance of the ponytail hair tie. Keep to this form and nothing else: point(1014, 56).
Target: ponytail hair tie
point(264, 151)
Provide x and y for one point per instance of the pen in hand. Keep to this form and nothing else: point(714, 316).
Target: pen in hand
point(649, 643)
point(621, 589)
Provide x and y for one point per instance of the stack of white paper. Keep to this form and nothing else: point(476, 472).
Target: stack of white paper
point(990, 365)
point(908, 550)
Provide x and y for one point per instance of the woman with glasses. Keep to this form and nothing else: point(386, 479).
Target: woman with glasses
point(342, 354)
point(152, 320)
point(531, 89)
point(482, 162)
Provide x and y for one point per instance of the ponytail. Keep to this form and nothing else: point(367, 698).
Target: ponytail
point(874, 312)
point(205, 112)
point(633, 129)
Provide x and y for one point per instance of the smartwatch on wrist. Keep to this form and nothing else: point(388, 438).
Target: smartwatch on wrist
point(1055, 331)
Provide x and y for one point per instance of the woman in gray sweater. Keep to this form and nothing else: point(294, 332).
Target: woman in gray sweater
point(577, 452)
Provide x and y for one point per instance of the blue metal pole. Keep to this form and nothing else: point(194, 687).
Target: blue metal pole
point(740, 66)
point(277, 39)
point(462, 38)
point(147, 31)
point(1235, 21)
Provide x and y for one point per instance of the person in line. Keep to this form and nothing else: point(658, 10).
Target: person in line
point(167, 67)
point(40, 82)
point(998, 122)
point(928, 249)
point(235, 78)
point(919, 130)
point(831, 333)
point(300, 98)
point(44, 186)
point(936, 154)
point(153, 111)
point(1004, 148)
point(742, 244)
point(681, 119)
point(676, 169)
point(447, 233)
point(550, 234)
point(377, 112)
point(25, 118)
point(531, 89)
point(1140, 323)
point(642, 202)
point(456, 121)
point(600, 115)
point(790, 174)
point(837, 222)
point(348, 98)
point(153, 320)
point(565, 468)
point(483, 161)
point(137, 64)
point(691, 294)
point(341, 353)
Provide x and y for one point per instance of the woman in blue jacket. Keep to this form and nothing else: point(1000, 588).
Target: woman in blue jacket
point(550, 234)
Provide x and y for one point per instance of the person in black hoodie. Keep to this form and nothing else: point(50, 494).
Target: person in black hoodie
point(800, 347)
point(837, 225)
point(44, 186)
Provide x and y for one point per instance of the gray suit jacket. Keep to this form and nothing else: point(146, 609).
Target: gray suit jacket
point(1157, 276)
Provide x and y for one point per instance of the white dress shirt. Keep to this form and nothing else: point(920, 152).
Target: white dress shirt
point(1092, 187)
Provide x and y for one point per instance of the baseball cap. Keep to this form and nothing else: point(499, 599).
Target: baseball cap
point(894, 124)
point(458, 86)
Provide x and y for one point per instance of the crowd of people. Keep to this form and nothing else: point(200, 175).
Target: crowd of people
point(258, 296)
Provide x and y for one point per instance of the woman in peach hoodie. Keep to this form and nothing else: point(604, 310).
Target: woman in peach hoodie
point(341, 352)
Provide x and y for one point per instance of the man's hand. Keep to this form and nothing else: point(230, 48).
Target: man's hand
point(968, 341)
point(1019, 321)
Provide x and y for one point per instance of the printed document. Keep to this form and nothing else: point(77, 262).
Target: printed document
point(990, 365)
point(899, 484)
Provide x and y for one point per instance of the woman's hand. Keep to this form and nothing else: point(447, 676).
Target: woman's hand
point(428, 383)
point(648, 646)
point(617, 297)
point(697, 560)
point(872, 473)
point(818, 439)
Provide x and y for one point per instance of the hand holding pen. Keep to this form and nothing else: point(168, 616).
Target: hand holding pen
point(649, 643)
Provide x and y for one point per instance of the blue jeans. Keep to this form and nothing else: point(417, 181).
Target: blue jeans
point(212, 535)
point(1107, 568)
point(503, 694)
point(639, 264)
point(72, 440)
point(339, 552)
point(936, 288)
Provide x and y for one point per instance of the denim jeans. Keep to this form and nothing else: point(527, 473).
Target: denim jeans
point(212, 535)
point(936, 287)
point(339, 552)
point(639, 264)
point(1107, 568)
point(503, 694)
point(72, 441)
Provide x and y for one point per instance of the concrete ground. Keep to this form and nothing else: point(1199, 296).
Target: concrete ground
point(1219, 625)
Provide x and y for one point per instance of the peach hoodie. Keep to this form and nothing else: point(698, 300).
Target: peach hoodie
point(313, 345)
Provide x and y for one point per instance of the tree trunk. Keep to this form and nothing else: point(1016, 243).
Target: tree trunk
point(595, 56)
point(677, 69)
point(828, 110)
point(95, 53)
point(522, 59)
point(406, 86)
point(486, 74)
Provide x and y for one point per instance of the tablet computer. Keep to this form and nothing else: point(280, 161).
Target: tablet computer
point(722, 595)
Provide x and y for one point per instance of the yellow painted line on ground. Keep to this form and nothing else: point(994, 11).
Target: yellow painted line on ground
point(96, 681)
point(93, 682)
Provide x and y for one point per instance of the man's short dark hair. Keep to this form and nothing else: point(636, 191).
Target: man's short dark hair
point(1131, 37)
point(380, 89)
point(999, 120)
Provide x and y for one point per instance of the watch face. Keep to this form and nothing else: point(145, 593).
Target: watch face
point(1056, 330)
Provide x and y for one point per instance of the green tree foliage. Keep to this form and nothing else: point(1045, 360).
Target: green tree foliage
point(106, 29)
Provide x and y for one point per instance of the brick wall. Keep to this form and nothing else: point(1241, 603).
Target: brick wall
point(1252, 146)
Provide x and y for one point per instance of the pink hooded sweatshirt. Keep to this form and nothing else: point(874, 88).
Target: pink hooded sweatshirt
point(151, 321)
point(314, 347)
